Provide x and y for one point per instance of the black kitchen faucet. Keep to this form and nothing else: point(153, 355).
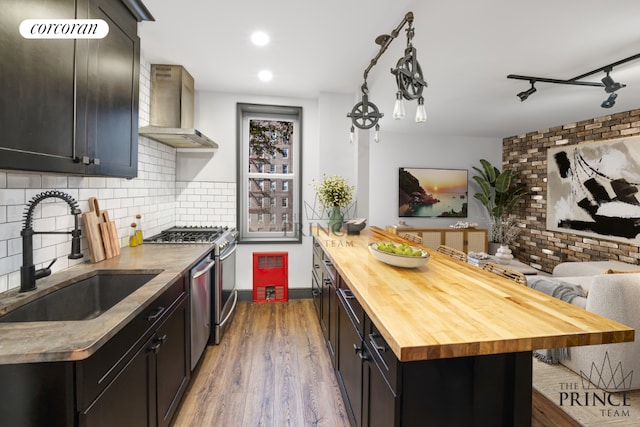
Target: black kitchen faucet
point(28, 272)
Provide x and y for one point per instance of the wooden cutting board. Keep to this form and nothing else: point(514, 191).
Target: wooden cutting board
point(91, 221)
point(111, 235)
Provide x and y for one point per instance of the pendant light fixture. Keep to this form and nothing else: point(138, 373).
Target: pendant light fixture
point(409, 80)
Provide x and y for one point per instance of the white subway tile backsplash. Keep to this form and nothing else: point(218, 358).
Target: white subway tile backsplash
point(12, 197)
point(54, 181)
point(24, 180)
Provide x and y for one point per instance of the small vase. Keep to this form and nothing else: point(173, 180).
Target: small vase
point(336, 219)
point(493, 248)
point(504, 254)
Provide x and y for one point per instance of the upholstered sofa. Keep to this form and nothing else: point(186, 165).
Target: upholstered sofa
point(611, 289)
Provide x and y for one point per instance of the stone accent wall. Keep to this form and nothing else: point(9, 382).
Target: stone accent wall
point(527, 155)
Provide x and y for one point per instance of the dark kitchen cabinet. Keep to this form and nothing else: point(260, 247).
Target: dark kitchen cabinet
point(324, 286)
point(380, 391)
point(70, 106)
point(137, 378)
point(147, 391)
point(349, 373)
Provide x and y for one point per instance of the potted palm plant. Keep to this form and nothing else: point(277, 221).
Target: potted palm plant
point(499, 195)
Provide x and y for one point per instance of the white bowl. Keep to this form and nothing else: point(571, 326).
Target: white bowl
point(404, 261)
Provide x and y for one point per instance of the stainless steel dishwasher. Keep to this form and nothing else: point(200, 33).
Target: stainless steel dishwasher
point(200, 287)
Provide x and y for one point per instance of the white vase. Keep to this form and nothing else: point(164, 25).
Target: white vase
point(504, 254)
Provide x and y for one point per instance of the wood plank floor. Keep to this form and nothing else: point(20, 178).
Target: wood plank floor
point(271, 369)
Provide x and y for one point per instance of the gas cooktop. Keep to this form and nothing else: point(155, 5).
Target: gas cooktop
point(189, 234)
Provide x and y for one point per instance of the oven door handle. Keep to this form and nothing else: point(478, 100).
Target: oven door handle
point(204, 270)
point(233, 307)
point(230, 251)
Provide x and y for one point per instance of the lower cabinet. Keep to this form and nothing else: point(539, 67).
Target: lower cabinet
point(380, 391)
point(137, 378)
point(147, 391)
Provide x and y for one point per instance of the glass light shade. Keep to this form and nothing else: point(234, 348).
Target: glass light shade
point(421, 112)
point(351, 135)
point(398, 107)
point(376, 136)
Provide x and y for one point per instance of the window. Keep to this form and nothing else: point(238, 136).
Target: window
point(269, 141)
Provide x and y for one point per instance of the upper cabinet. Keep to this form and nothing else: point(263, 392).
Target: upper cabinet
point(71, 106)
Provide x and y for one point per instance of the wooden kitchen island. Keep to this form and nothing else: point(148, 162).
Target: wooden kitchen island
point(445, 344)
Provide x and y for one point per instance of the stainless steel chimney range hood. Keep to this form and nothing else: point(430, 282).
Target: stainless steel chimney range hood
point(172, 109)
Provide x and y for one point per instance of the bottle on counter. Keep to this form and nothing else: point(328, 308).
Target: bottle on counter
point(139, 228)
point(133, 238)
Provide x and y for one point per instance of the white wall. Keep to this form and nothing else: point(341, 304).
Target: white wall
point(409, 150)
point(216, 117)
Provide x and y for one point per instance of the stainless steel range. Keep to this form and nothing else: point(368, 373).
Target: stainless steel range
point(223, 295)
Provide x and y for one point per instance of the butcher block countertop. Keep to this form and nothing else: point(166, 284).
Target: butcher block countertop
point(32, 342)
point(448, 308)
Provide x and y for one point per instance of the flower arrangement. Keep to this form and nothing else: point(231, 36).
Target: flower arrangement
point(334, 191)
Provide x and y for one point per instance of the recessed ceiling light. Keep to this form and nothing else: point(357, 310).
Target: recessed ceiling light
point(265, 75)
point(260, 38)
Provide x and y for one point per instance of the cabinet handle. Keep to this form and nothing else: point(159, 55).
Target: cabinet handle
point(161, 339)
point(154, 348)
point(374, 343)
point(315, 293)
point(360, 352)
point(348, 295)
point(154, 316)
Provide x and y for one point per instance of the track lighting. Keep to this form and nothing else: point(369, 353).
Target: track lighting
point(524, 95)
point(610, 101)
point(610, 86)
point(409, 80)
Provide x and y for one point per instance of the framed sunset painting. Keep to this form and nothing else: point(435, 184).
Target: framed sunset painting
point(429, 193)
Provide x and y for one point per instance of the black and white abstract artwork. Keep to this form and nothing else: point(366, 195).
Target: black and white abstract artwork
point(592, 189)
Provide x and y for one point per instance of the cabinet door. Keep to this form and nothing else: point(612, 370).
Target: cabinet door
point(129, 397)
point(172, 362)
point(477, 241)
point(431, 239)
point(350, 365)
point(333, 322)
point(37, 83)
point(324, 318)
point(380, 404)
point(111, 103)
point(454, 239)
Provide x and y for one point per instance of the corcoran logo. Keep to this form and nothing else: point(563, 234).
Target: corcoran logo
point(64, 29)
point(605, 376)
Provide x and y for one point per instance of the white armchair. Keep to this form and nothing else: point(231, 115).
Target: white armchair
point(614, 296)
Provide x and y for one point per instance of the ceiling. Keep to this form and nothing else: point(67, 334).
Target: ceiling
point(466, 50)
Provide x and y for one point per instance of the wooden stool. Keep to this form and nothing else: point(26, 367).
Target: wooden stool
point(503, 271)
point(453, 253)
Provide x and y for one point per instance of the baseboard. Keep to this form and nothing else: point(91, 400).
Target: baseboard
point(294, 293)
